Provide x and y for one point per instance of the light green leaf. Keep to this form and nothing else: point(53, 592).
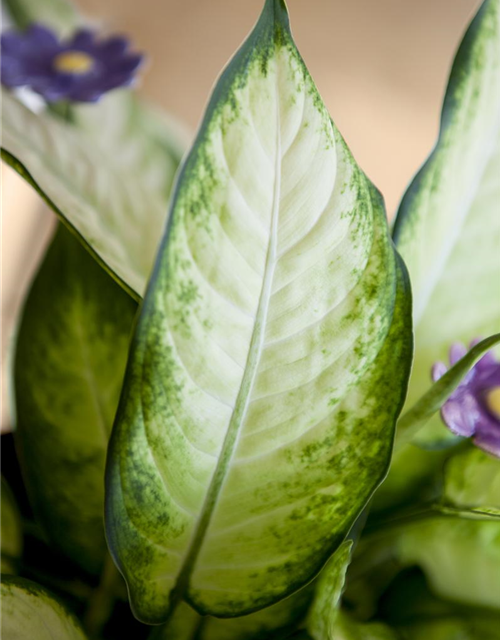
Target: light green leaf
point(454, 628)
point(348, 629)
point(430, 403)
point(60, 15)
point(29, 611)
point(448, 225)
point(411, 478)
point(272, 623)
point(416, 614)
point(69, 364)
point(325, 610)
point(460, 557)
point(271, 355)
point(108, 179)
point(11, 531)
point(472, 482)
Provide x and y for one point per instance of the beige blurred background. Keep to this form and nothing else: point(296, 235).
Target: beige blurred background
point(380, 65)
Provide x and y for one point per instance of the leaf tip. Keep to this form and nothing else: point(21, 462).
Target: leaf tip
point(277, 12)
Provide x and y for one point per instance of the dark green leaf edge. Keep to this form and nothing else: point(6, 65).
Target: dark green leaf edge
point(13, 162)
point(462, 63)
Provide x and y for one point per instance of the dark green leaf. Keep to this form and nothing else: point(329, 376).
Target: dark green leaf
point(69, 363)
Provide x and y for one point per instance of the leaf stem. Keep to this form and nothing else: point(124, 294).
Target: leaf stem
point(63, 110)
point(102, 600)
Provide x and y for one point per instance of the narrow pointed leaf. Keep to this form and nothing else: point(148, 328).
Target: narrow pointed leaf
point(324, 613)
point(271, 355)
point(448, 225)
point(70, 359)
point(108, 178)
point(430, 403)
point(29, 611)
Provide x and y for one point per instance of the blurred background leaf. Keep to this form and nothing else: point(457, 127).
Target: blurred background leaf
point(70, 358)
point(30, 611)
point(448, 225)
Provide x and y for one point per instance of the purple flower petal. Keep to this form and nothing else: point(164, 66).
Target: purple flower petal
point(438, 371)
point(488, 439)
point(128, 64)
point(468, 411)
point(13, 73)
point(458, 419)
point(83, 40)
point(42, 38)
point(15, 44)
point(113, 48)
point(32, 58)
point(457, 352)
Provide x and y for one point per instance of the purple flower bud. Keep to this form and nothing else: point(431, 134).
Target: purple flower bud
point(473, 409)
point(79, 69)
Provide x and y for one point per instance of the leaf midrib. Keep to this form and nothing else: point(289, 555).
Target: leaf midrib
point(243, 398)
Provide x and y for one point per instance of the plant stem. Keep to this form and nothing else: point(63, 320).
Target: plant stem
point(63, 110)
point(102, 600)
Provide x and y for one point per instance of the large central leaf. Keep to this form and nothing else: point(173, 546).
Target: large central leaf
point(271, 354)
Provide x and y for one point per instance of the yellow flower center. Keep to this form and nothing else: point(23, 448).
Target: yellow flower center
point(76, 62)
point(493, 400)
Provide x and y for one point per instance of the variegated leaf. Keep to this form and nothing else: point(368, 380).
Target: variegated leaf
point(108, 178)
point(270, 358)
point(29, 611)
point(276, 622)
point(448, 225)
point(70, 355)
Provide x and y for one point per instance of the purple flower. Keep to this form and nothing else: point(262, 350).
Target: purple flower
point(80, 69)
point(473, 409)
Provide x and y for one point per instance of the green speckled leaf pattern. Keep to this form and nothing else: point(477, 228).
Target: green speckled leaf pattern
point(11, 531)
point(448, 225)
point(108, 176)
point(69, 363)
point(271, 354)
point(29, 611)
